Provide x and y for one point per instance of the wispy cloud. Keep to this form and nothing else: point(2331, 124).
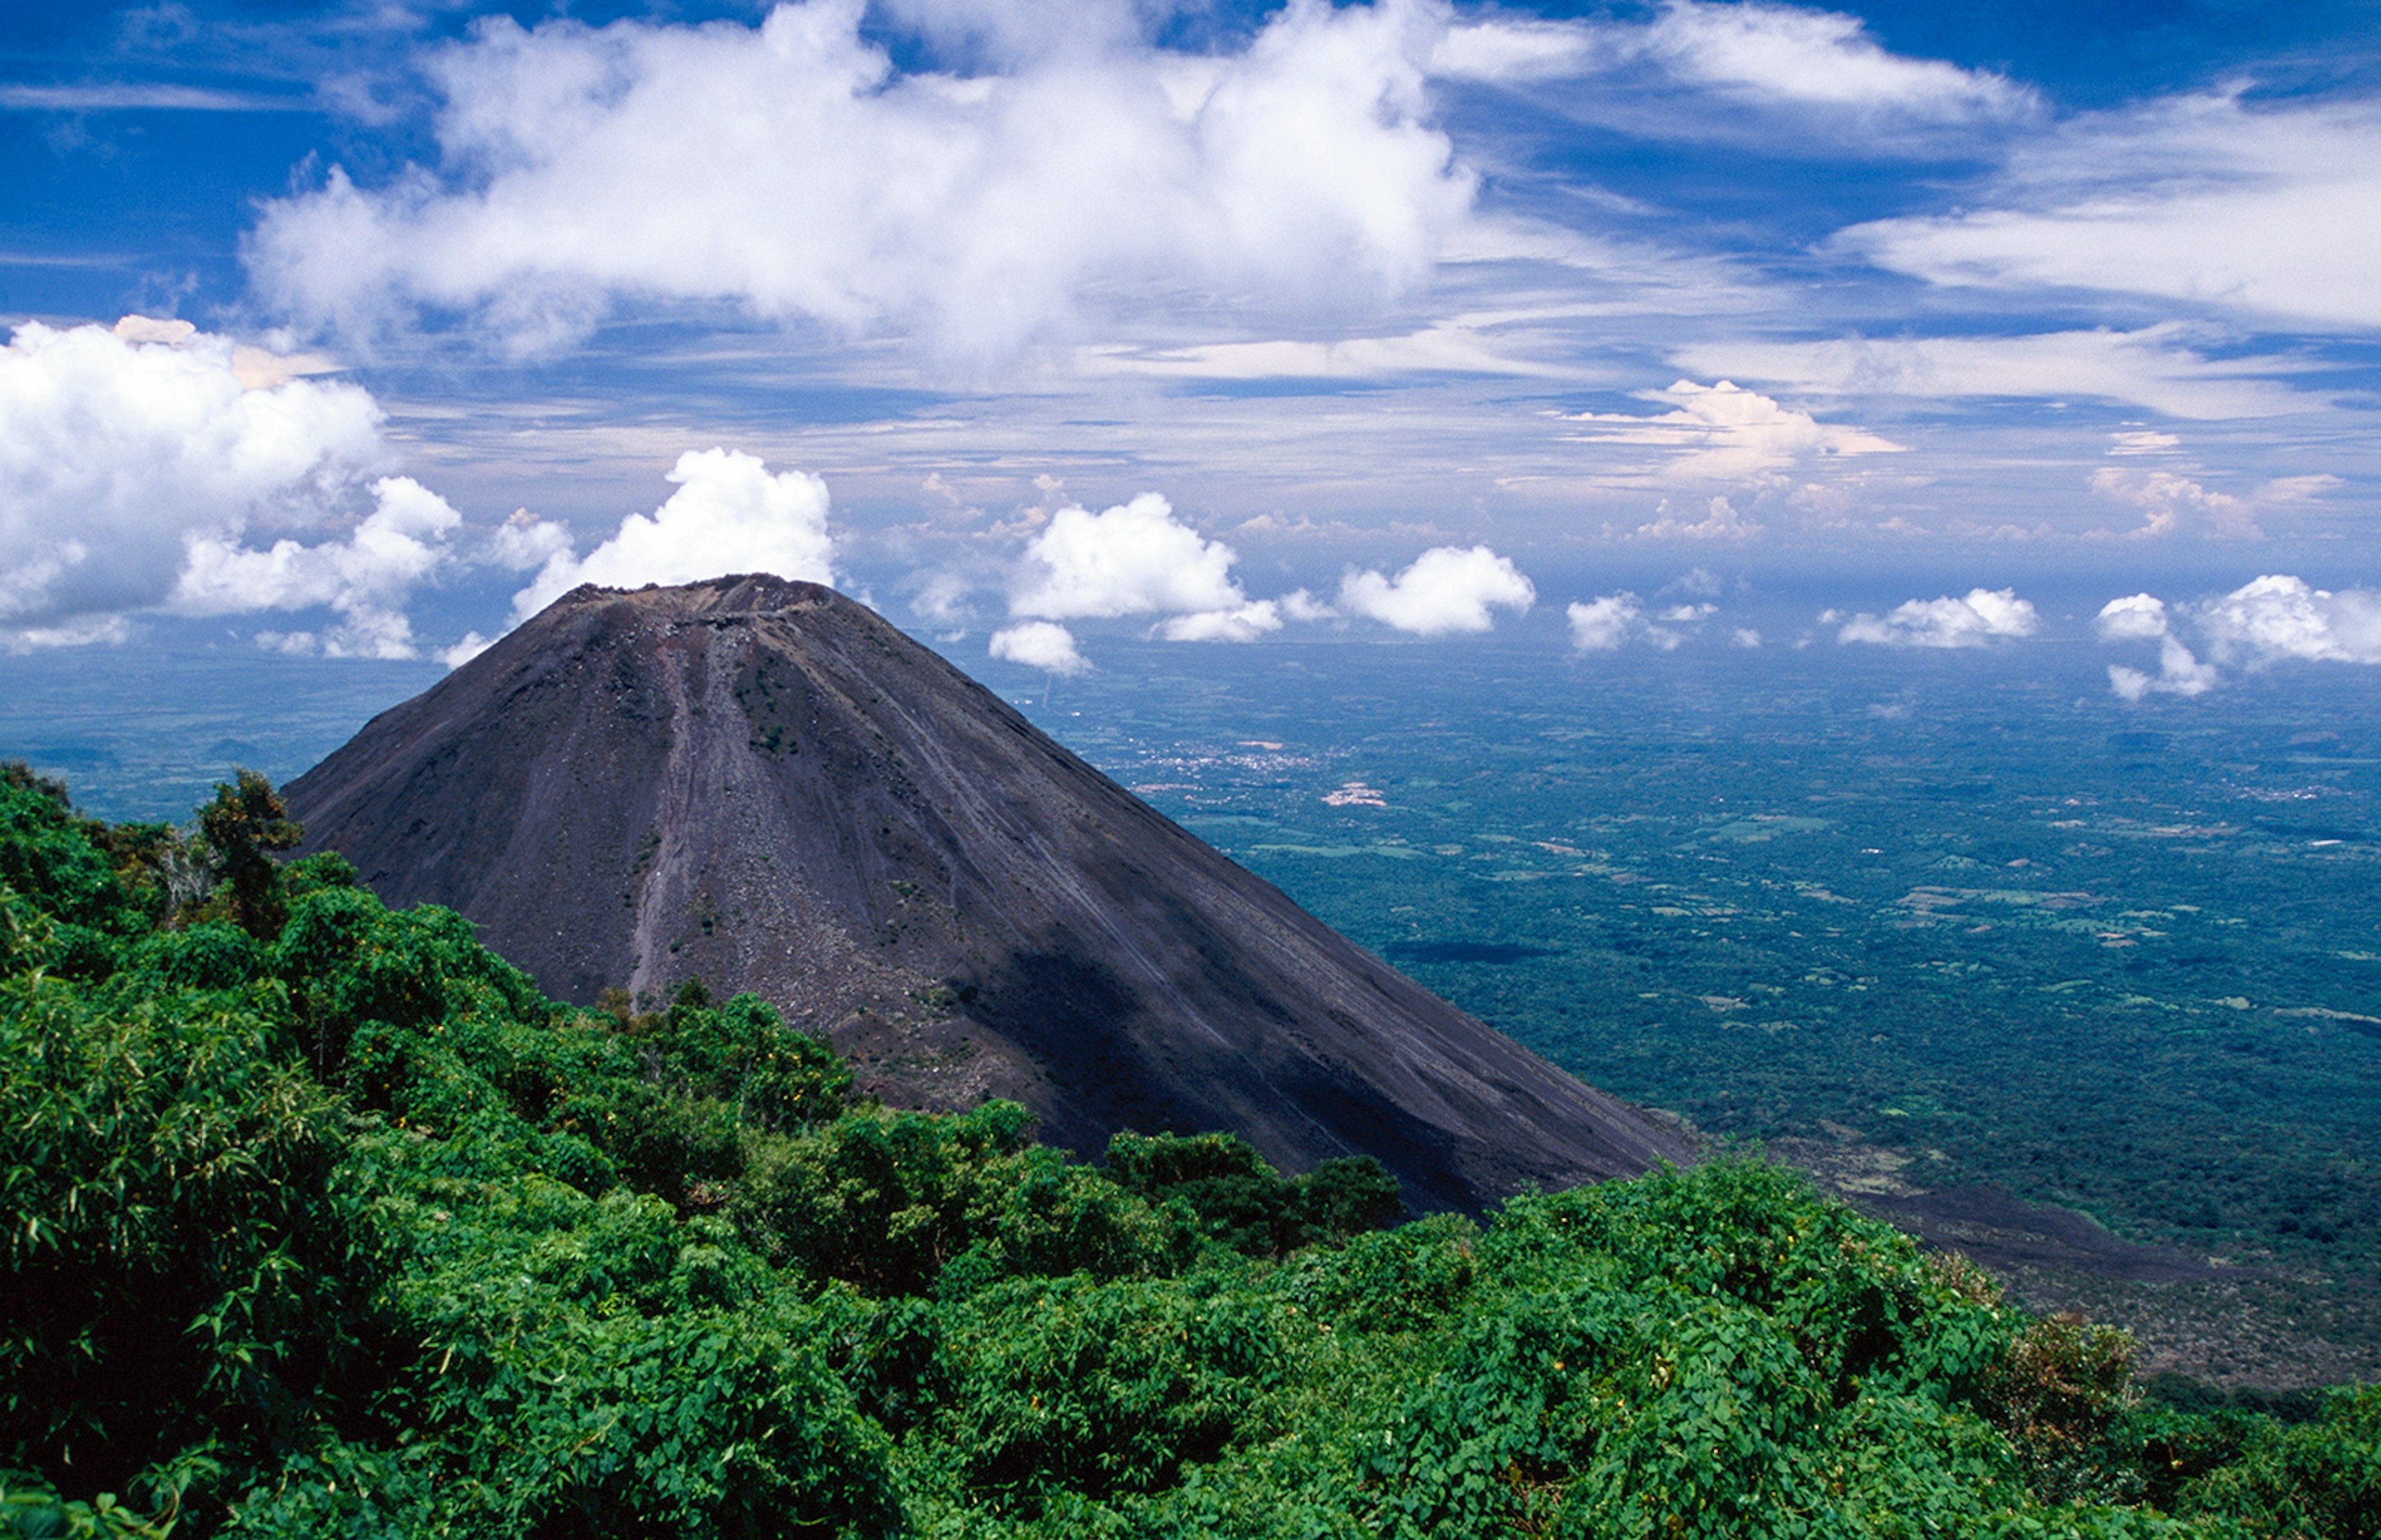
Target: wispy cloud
point(2156, 366)
point(1752, 53)
point(1450, 348)
point(1790, 55)
point(2260, 210)
point(147, 96)
point(1720, 521)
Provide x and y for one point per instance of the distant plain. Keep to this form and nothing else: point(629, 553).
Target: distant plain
point(1921, 922)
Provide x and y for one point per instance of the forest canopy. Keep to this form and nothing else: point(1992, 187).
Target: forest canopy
point(320, 1219)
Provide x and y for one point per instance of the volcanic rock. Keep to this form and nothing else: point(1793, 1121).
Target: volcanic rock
point(764, 785)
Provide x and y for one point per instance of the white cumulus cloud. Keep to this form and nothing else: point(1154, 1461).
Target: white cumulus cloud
point(2136, 618)
point(1136, 558)
point(2267, 621)
point(2143, 617)
point(2179, 673)
point(1606, 624)
point(729, 514)
point(1244, 624)
point(120, 447)
point(1042, 645)
point(366, 578)
point(2277, 617)
point(1447, 589)
point(1983, 617)
point(1602, 624)
point(794, 169)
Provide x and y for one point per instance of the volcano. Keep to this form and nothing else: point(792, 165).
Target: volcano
point(764, 785)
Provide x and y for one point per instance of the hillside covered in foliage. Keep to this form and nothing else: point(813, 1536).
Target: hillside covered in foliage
point(320, 1220)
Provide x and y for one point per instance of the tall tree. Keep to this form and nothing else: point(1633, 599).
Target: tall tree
point(245, 822)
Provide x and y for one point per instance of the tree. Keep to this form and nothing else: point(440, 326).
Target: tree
point(245, 822)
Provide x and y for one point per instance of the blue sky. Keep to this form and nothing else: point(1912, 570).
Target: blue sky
point(364, 329)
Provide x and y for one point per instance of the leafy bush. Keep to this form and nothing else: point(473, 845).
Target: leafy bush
point(2060, 1390)
point(2320, 1479)
point(1097, 1386)
point(47, 855)
point(177, 1271)
point(1234, 1197)
point(905, 1203)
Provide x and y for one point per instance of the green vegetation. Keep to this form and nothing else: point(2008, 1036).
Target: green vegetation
point(320, 1220)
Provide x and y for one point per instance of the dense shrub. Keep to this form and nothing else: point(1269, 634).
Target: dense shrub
point(177, 1271)
point(319, 1219)
point(1097, 1386)
point(2320, 1479)
point(1234, 1197)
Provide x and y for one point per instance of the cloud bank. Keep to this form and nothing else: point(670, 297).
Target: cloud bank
point(365, 579)
point(2276, 618)
point(793, 169)
point(120, 448)
point(2268, 621)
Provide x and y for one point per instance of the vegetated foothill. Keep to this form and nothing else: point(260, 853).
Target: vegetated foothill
point(320, 1219)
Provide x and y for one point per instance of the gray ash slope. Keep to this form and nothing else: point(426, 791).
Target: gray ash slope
point(764, 785)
